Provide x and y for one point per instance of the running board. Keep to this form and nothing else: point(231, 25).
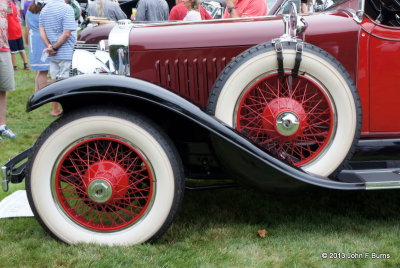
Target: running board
point(376, 175)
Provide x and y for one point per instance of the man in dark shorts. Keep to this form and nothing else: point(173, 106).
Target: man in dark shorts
point(15, 40)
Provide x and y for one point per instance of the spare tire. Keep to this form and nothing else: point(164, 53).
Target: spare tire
point(312, 122)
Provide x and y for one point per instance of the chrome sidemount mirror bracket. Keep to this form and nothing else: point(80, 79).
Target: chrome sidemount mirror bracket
point(294, 25)
point(360, 12)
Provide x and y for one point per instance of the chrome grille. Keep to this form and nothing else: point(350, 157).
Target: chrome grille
point(88, 47)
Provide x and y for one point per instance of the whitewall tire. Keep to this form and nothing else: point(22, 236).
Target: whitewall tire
point(104, 176)
point(312, 121)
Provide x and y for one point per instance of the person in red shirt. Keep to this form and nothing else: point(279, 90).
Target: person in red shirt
point(15, 37)
point(245, 8)
point(179, 12)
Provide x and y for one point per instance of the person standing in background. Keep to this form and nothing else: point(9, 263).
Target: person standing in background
point(57, 27)
point(245, 8)
point(106, 9)
point(26, 6)
point(179, 11)
point(7, 82)
point(193, 13)
point(25, 32)
point(15, 39)
point(152, 10)
point(36, 45)
point(76, 7)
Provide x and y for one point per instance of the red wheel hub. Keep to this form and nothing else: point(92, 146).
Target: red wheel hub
point(284, 119)
point(103, 184)
point(291, 118)
point(105, 181)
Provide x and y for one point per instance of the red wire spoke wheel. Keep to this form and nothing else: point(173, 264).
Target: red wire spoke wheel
point(104, 184)
point(312, 121)
point(104, 175)
point(292, 119)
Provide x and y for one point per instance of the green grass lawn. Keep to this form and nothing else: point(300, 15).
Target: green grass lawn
point(216, 228)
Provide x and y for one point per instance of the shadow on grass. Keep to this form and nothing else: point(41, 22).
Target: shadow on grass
point(312, 211)
point(316, 210)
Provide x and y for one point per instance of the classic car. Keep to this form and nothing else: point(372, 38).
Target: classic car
point(272, 102)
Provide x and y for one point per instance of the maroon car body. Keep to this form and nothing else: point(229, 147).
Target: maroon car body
point(205, 48)
point(202, 49)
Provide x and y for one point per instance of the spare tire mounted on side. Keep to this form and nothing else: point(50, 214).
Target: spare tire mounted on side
point(311, 121)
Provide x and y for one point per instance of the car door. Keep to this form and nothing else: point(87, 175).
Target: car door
point(384, 73)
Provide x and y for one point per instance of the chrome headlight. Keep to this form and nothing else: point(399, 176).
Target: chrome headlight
point(85, 62)
point(111, 56)
point(118, 42)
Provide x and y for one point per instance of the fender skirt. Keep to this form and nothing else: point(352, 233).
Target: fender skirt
point(251, 158)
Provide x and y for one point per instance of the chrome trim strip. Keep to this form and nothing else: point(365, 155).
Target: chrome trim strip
point(357, 15)
point(382, 185)
point(379, 179)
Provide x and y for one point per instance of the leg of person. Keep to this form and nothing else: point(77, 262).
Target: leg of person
point(14, 49)
point(24, 59)
point(37, 80)
point(14, 61)
point(3, 108)
point(63, 73)
point(6, 84)
point(54, 74)
point(4, 130)
point(21, 50)
point(56, 109)
point(41, 80)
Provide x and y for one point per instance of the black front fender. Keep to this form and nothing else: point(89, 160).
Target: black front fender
point(241, 151)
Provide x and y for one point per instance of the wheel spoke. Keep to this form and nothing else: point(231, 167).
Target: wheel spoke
point(105, 161)
point(270, 97)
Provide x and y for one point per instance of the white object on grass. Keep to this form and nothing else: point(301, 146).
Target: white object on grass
point(15, 205)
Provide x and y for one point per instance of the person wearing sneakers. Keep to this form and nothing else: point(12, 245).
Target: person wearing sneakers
point(15, 37)
point(6, 70)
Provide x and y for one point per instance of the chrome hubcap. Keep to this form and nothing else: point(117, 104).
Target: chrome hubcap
point(100, 190)
point(287, 123)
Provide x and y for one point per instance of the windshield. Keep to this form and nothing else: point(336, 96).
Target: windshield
point(270, 3)
point(317, 6)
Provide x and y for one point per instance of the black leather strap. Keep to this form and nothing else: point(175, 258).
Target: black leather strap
point(297, 61)
point(279, 57)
